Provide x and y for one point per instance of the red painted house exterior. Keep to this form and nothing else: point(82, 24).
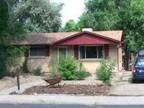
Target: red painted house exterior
point(86, 38)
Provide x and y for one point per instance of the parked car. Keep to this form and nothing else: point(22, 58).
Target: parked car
point(138, 67)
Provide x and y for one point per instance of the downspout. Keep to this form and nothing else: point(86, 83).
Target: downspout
point(118, 57)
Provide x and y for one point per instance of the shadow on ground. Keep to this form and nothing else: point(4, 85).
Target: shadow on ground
point(138, 81)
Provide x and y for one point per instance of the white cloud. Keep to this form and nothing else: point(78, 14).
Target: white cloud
point(72, 9)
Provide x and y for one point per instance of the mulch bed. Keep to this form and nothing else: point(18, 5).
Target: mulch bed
point(69, 89)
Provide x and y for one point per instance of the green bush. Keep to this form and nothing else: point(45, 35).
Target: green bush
point(104, 72)
point(82, 74)
point(68, 69)
point(37, 72)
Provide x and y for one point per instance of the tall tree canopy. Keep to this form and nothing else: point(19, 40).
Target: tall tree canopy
point(127, 15)
point(17, 17)
point(10, 29)
point(132, 22)
point(39, 15)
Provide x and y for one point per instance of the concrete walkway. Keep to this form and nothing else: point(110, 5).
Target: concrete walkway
point(125, 88)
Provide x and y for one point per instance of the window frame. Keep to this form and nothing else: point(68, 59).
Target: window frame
point(47, 48)
point(79, 53)
point(59, 50)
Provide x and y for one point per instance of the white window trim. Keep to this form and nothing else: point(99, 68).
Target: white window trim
point(85, 53)
point(62, 47)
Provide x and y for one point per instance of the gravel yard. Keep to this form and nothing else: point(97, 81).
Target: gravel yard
point(69, 89)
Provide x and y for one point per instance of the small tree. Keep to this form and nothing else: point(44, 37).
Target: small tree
point(104, 72)
point(70, 69)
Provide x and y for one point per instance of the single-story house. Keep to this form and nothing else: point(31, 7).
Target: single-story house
point(88, 47)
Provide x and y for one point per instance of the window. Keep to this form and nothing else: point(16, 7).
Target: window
point(62, 52)
point(38, 51)
point(140, 62)
point(89, 52)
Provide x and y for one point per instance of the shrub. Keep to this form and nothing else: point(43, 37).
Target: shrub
point(82, 74)
point(68, 69)
point(37, 72)
point(104, 72)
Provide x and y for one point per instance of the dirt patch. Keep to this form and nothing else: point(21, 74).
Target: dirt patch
point(69, 89)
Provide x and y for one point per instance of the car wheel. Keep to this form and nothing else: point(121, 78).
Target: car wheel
point(133, 80)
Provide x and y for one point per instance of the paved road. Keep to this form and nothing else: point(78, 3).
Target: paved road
point(66, 106)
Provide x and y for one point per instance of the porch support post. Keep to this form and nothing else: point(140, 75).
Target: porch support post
point(106, 51)
point(76, 54)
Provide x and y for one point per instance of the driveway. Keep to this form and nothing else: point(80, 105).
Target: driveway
point(124, 87)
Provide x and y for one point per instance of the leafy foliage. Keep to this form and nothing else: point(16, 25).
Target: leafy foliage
point(100, 15)
point(132, 22)
point(10, 30)
point(17, 18)
point(104, 72)
point(39, 15)
point(82, 74)
point(69, 70)
point(126, 15)
point(10, 27)
point(71, 26)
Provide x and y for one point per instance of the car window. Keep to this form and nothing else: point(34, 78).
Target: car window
point(140, 63)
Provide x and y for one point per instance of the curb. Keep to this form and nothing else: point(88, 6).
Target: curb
point(68, 99)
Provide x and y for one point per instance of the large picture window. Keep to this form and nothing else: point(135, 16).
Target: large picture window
point(90, 52)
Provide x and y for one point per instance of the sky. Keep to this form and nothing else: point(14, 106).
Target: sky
point(72, 9)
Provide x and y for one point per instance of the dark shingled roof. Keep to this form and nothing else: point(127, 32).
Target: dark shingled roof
point(50, 38)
